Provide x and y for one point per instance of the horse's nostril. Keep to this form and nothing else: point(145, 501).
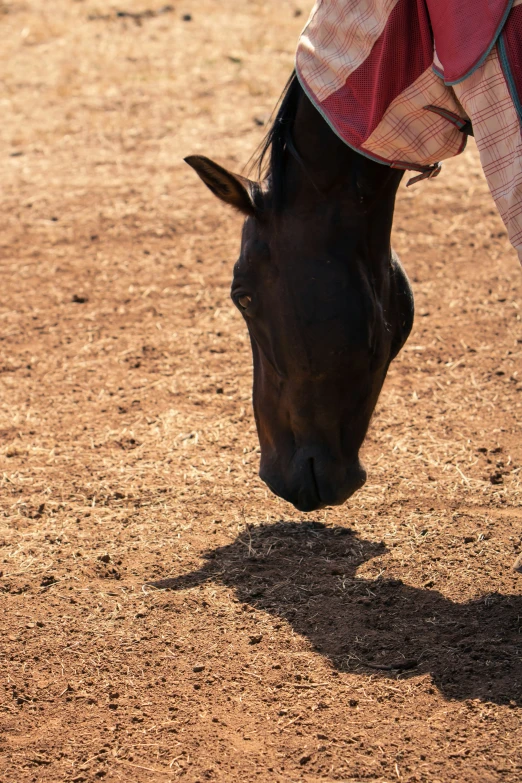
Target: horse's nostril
point(314, 484)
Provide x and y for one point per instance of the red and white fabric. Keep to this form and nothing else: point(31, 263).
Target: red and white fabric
point(398, 79)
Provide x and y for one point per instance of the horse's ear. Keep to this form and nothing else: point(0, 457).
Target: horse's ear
point(230, 188)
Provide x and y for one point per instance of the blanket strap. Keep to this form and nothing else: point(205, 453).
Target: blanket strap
point(463, 125)
point(426, 172)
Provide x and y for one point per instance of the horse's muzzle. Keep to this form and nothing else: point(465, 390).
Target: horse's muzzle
point(313, 481)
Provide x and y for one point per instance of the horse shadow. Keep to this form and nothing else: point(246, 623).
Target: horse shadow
point(306, 574)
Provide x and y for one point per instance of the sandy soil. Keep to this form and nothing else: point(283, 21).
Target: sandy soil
point(380, 641)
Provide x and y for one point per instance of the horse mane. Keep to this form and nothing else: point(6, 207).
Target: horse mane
point(270, 162)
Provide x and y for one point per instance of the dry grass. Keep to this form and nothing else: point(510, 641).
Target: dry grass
point(128, 447)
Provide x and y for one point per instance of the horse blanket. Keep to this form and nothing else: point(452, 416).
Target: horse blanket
point(404, 81)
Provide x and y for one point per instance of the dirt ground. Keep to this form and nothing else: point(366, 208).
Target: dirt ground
point(380, 641)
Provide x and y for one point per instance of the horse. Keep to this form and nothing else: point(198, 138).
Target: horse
point(326, 302)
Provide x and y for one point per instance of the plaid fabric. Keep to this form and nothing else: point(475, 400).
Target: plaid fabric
point(409, 133)
point(390, 101)
point(496, 125)
point(340, 35)
point(337, 39)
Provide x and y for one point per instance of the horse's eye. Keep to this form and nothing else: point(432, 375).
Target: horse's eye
point(244, 301)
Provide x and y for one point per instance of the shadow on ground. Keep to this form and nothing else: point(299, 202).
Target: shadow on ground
point(306, 573)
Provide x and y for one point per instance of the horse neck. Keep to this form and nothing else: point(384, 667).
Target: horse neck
point(361, 191)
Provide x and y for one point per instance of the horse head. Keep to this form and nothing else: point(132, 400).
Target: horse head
point(325, 300)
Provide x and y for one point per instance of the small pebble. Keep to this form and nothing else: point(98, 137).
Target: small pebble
point(256, 639)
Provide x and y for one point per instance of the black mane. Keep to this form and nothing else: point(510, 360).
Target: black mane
point(271, 160)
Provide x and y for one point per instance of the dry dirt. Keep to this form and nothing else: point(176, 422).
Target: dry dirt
point(380, 641)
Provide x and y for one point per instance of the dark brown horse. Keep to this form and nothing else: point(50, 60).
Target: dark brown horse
point(326, 301)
